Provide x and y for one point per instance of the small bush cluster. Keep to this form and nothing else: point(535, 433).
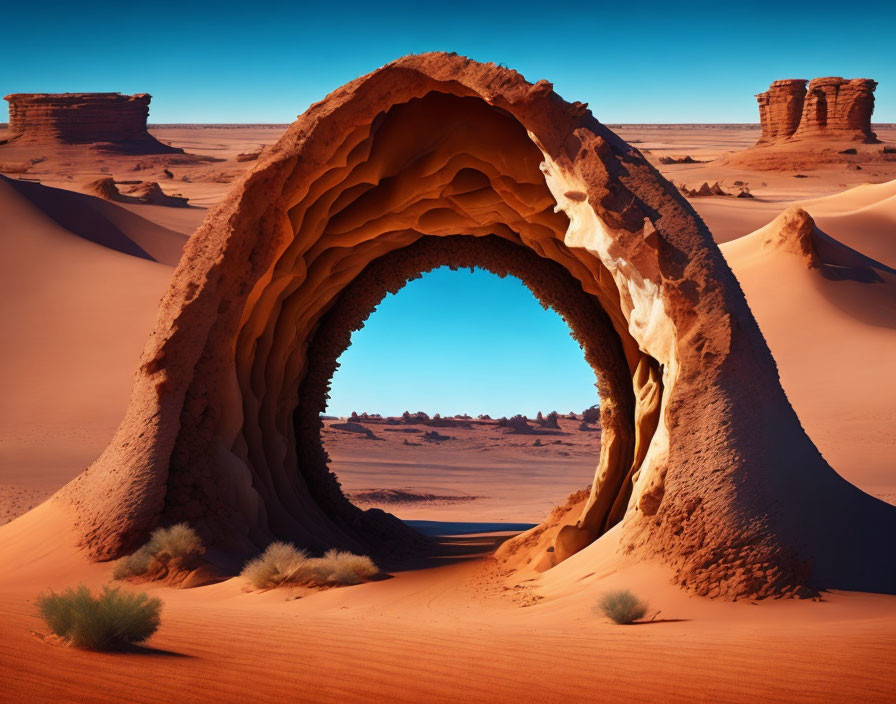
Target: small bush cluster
point(178, 544)
point(108, 621)
point(621, 606)
point(283, 563)
point(591, 414)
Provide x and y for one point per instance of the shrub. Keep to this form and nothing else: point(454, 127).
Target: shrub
point(179, 544)
point(283, 563)
point(342, 567)
point(109, 621)
point(279, 564)
point(621, 606)
point(591, 414)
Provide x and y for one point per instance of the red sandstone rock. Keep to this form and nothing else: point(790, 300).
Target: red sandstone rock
point(838, 108)
point(113, 121)
point(139, 192)
point(436, 159)
point(830, 107)
point(780, 109)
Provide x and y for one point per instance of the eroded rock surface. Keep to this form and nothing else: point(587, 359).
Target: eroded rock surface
point(831, 107)
point(114, 121)
point(436, 159)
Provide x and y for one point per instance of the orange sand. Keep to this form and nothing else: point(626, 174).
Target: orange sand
point(78, 314)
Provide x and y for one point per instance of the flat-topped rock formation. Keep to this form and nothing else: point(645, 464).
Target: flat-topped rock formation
point(831, 107)
point(780, 109)
point(110, 120)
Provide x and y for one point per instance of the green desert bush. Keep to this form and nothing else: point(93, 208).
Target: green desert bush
point(283, 563)
point(621, 606)
point(108, 621)
point(176, 544)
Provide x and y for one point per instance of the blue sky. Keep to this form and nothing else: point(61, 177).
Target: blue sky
point(461, 342)
point(649, 61)
point(453, 341)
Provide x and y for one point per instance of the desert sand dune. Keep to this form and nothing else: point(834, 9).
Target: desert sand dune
point(429, 634)
point(863, 217)
point(426, 635)
point(66, 379)
point(829, 315)
point(103, 223)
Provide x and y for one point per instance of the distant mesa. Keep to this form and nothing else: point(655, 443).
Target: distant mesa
point(112, 121)
point(831, 107)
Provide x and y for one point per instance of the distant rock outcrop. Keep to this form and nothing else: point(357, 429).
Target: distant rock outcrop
point(111, 120)
point(830, 107)
point(780, 109)
point(148, 192)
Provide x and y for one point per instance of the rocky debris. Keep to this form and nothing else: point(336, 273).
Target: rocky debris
point(679, 160)
point(830, 107)
point(20, 167)
point(252, 156)
point(111, 121)
point(150, 192)
point(435, 436)
point(352, 427)
point(705, 191)
point(147, 192)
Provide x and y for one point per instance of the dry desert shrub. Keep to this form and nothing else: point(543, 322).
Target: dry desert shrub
point(109, 621)
point(342, 567)
point(166, 546)
point(283, 563)
point(621, 606)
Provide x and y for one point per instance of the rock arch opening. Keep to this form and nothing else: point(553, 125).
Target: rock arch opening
point(430, 158)
point(551, 285)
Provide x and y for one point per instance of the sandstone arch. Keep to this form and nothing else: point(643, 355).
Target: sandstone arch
point(704, 461)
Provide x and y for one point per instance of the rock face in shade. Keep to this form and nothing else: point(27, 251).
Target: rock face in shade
point(431, 160)
point(780, 109)
point(111, 120)
point(830, 108)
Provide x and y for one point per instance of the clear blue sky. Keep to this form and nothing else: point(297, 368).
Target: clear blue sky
point(453, 341)
point(461, 342)
point(648, 61)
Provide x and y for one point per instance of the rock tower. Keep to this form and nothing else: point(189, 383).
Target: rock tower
point(829, 108)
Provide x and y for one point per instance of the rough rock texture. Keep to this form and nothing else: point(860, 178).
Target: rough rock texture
point(831, 107)
point(116, 122)
point(437, 158)
point(780, 109)
point(838, 108)
point(143, 192)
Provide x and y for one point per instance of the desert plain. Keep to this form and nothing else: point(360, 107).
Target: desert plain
point(82, 278)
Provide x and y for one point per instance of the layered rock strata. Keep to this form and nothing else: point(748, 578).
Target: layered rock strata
point(438, 159)
point(832, 107)
point(781, 108)
point(115, 121)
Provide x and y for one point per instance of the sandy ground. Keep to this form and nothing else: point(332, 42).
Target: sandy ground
point(78, 313)
point(493, 476)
